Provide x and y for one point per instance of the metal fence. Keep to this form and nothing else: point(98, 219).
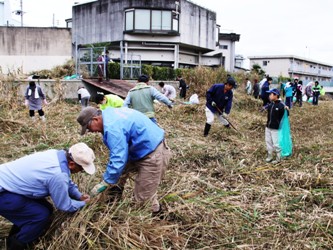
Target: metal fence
point(131, 67)
point(87, 61)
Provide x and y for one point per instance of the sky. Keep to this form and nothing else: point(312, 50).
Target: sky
point(267, 27)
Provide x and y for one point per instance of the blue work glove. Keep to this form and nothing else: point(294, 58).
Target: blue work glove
point(99, 188)
point(213, 104)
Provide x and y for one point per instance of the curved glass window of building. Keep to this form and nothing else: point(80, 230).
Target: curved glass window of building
point(159, 21)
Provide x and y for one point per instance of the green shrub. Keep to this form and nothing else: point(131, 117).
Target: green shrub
point(147, 70)
point(114, 70)
point(160, 73)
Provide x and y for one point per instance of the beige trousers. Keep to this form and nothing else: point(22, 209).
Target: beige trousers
point(150, 171)
point(272, 140)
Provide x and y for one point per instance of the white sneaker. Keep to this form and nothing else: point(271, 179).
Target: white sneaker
point(277, 160)
point(269, 158)
point(43, 118)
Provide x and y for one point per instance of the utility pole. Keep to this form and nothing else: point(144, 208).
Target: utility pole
point(20, 12)
point(21, 6)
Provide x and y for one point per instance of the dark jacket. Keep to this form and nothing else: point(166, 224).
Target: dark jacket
point(256, 89)
point(299, 89)
point(265, 87)
point(182, 87)
point(223, 100)
point(275, 114)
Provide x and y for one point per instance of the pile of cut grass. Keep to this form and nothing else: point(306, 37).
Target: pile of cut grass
point(218, 191)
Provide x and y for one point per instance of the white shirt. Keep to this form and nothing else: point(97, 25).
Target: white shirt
point(83, 92)
point(248, 87)
point(169, 91)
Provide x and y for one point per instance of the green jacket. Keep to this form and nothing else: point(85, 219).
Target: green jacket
point(142, 97)
point(113, 101)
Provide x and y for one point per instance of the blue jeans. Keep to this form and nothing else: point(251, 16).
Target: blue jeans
point(289, 101)
point(30, 216)
point(315, 98)
point(153, 120)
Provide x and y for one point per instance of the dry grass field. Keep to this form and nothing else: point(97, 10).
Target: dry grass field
point(218, 191)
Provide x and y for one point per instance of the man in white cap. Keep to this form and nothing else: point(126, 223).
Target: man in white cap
point(27, 181)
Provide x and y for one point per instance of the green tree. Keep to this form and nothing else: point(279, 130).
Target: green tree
point(256, 69)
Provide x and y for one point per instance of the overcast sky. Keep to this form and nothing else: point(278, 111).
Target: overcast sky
point(267, 27)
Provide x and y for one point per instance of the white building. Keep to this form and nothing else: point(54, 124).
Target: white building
point(6, 14)
point(164, 32)
point(294, 66)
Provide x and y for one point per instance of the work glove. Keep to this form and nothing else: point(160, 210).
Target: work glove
point(80, 101)
point(26, 103)
point(45, 102)
point(225, 115)
point(213, 104)
point(99, 188)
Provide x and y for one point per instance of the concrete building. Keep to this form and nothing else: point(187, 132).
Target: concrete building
point(162, 32)
point(30, 48)
point(294, 66)
point(6, 14)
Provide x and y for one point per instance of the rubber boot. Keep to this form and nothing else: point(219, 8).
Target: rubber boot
point(207, 128)
point(269, 157)
point(278, 158)
point(14, 230)
point(14, 244)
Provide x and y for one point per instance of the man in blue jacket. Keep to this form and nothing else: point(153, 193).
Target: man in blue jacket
point(136, 145)
point(264, 91)
point(25, 182)
point(219, 102)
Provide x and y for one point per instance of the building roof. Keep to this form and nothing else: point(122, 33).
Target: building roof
point(84, 2)
point(200, 6)
point(290, 57)
point(229, 36)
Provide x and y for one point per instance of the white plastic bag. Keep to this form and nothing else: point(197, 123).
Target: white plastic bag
point(194, 99)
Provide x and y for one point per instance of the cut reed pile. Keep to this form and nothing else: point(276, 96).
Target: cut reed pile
point(218, 191)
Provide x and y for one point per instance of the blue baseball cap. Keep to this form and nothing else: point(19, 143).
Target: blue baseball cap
point(274, 91)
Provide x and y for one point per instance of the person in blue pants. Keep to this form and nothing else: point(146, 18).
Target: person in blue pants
point(316, 93)
point(27, 181)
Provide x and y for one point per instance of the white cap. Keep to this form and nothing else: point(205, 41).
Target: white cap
point(84, 156)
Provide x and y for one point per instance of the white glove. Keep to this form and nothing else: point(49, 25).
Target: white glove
point(26, 103)
point(99, 188)
point(213, 104)
point(225, 115)
point(80, 101)
point(45, 102)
